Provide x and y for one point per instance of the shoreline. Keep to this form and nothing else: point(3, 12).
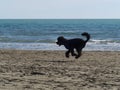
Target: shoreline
point(51, 70)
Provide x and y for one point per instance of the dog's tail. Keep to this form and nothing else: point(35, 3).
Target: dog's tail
point(86, 35)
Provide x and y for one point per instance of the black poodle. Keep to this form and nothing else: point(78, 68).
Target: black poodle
point(72, 44)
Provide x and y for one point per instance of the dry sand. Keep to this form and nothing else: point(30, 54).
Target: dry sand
point(51, 70)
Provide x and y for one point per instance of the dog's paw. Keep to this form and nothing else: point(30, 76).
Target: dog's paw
point(76, 57)
point(74, 54)
point(67, 56)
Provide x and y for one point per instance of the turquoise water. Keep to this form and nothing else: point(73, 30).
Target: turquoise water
point(41, 34)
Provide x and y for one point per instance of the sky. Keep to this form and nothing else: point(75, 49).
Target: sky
point(59, 9)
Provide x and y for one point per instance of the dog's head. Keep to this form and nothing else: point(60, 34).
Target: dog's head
point(60, 40)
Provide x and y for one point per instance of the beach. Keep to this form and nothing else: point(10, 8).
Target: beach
point(51, 70)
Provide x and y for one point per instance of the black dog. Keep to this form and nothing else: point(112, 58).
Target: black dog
point(72, 44)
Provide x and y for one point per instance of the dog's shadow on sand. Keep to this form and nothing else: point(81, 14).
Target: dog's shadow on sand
point(55, 61)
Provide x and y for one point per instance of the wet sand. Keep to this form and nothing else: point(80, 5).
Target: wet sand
point(51, 70)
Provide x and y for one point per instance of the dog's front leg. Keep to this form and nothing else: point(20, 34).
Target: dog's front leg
point(67, 53)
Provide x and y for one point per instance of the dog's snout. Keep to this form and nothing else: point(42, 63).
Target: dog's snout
point(56, 42)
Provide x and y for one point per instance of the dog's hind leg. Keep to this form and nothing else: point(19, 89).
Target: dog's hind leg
point(79, 53)
point(67, 53)
point(73, 53)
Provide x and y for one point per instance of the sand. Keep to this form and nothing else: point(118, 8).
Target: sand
point(51, 70)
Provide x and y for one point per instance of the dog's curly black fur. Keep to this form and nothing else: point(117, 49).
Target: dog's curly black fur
point(72, 44)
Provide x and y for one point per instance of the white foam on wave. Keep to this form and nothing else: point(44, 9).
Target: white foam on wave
point(30, 46)
point(52, 46)
point(109, 46)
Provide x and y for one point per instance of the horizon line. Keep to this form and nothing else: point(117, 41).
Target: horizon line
point(59, 18)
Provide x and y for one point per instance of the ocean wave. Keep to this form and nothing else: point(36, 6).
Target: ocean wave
point(105, 41)
point(52, 46)
point(30, 46)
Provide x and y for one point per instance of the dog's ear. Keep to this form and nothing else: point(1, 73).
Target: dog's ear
point(60, 37)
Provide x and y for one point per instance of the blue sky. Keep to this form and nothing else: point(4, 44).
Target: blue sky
point(57, 9)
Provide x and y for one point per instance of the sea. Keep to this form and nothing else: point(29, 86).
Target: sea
point(41, 34)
